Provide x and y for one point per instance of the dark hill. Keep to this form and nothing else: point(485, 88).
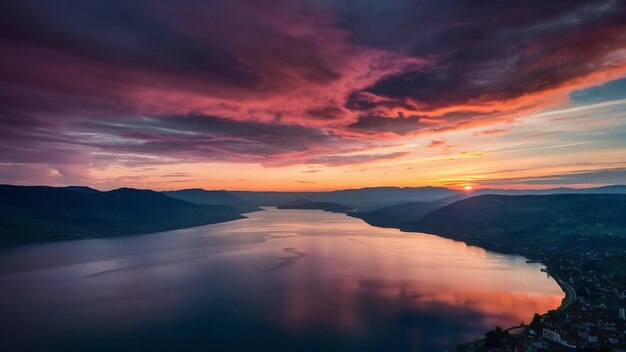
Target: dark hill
point(354, 198)
point(33, 214)
point(398, 215)
point(384, 195)
point(297, 202)
point(326, 206)
point(270, 198)
point(83, 189)
point(201, 196)
point(563, 220)
point(615, 189)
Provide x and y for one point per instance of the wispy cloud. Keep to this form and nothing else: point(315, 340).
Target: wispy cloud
point(492, 132)
point(85, 86)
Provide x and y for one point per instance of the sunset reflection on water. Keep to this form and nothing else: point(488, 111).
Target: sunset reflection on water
point(281, 280)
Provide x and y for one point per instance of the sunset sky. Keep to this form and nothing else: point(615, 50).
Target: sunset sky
point(313, 94)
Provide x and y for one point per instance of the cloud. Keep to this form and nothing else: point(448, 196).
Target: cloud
point(85, 84)
point(495, 131)
point(400, 125)
point(497, 61)
point(39, 174)
point(237, 60)
point(437, 143)
point(166, 139)
point(600, 176)
point(341, 160)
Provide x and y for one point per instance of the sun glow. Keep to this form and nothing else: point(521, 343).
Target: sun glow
point(468, 188)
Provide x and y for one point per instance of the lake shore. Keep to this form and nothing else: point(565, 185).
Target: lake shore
point(387, 285)
point(570, 268)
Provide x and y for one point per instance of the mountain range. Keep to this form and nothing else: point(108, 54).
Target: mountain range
point(353, 198)
point(554, 220)
point(39, 213)
point(367, 199)
point(201, 196)
point(325, 206)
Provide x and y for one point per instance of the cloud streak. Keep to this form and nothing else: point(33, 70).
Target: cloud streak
point(84, 85)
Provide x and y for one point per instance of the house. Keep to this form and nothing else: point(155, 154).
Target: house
point(554, 336)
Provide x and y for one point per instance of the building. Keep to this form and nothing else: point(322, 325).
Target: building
point(614, 340)
point(591, 335)
point(554, 336)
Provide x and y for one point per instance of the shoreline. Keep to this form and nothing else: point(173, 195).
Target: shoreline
point(77, 237)
point(568, 291)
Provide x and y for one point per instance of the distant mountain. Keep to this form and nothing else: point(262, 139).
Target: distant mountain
point(398, 215)
point(563, 220)
point(83, 189)
point(355, 198)
point(326, 206)
point(201, 196)
point(270, 198)
point(297, 202)
point(33, 214)
point(384, 195)
point(373, 198)
point(615, 189)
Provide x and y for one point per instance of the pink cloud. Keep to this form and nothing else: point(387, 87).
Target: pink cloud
point(495, 131)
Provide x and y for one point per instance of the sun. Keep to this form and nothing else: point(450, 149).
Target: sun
point(468, 188)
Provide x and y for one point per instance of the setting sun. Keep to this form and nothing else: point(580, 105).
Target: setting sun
point(468, 188)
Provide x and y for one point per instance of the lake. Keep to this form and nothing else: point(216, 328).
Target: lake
point(281, 280)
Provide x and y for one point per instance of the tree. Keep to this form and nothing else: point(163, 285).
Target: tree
point(535, 324)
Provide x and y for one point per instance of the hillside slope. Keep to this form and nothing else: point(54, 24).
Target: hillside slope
point(33, 214)
point(398, 215)
point(201, 196)
point(614, 189)
point(354, 198)
point(326, 206)
point(565, 220)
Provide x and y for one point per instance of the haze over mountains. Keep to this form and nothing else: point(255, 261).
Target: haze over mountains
point(39, 213)
point(200, 196)
point(545, 218)
point(326, 206)
point(613, 189)
point(364, 199)
point(398, 215)
point(354, 198)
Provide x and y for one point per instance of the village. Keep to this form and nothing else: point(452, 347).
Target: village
point(592, 316)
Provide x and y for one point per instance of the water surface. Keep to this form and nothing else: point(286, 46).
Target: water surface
point(281, 280)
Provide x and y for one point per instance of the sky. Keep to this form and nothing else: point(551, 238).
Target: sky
point(313, 94)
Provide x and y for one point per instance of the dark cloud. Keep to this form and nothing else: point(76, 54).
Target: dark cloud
point(494, 51)
point(289, 81)
point(326, 113)
point(156, 140)
point(241, 59)
point(398, 125)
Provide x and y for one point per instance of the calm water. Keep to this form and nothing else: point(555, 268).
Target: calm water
point(295, 280)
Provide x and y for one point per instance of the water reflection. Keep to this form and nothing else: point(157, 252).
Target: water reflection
point(280, 280)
